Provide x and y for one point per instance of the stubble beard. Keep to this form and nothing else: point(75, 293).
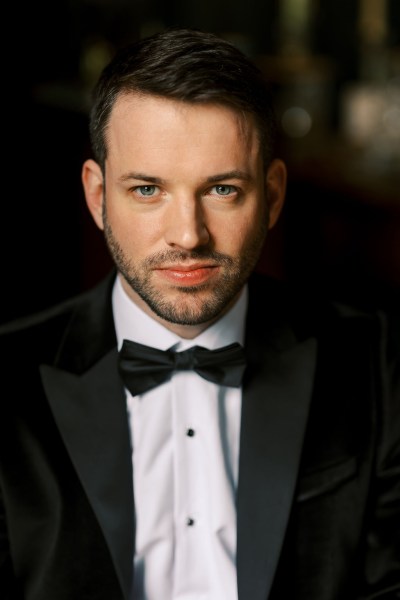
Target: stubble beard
point(195, 304)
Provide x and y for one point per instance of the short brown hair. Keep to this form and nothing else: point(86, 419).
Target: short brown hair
point(187, 65)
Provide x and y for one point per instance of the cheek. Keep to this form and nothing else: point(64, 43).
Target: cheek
point(243, 231)
point(253, 233)
point(138, 234)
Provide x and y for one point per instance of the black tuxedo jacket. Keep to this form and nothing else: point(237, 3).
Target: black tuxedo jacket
point(318, 499)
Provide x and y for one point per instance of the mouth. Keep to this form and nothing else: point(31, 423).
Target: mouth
point(188, 274)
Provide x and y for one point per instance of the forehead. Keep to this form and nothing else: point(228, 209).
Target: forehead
point(142, 120)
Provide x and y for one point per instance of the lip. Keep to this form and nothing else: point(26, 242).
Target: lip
point(192, 274)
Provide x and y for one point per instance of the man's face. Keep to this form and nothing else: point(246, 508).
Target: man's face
point(183, 205)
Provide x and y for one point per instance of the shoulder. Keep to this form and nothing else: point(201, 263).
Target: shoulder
point(38, 336)
point(307, 313)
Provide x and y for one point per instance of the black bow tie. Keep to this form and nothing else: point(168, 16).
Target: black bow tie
point(143, 368)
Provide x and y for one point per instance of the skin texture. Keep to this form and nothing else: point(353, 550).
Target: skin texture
point(185, 205)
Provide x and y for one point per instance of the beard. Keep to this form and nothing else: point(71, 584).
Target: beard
point(195, 304)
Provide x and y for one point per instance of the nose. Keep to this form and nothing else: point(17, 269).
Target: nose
point(185, 224)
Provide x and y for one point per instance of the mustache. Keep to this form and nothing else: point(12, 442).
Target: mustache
point(180, 256)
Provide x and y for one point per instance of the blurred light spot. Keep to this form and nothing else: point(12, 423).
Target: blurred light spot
point(296, 122)
point(95, 55)
point(391, 121)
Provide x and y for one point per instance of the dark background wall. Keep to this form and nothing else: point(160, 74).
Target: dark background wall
point(340, 230)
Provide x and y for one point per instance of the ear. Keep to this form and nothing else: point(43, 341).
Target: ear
point(275, 181)
point(93, 185)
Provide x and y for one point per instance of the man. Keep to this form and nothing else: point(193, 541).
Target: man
point(121, 479)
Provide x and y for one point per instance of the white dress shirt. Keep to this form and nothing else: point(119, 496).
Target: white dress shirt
point(185, 450)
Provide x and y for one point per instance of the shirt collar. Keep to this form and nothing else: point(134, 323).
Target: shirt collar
point(132, 323)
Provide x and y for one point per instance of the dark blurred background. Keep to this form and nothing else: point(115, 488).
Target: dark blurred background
point(334, 69)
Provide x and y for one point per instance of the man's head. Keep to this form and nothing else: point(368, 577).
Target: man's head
point(184, 187)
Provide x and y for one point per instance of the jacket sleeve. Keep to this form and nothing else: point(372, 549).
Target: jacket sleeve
point(382, 557)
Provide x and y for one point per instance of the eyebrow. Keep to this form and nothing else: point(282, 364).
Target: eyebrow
point(235, 174)
point(141, 177)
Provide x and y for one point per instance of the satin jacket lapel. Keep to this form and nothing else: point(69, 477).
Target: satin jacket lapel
point(275, 408)
point(90, 411)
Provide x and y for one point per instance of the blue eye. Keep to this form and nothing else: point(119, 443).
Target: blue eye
point(224, 190)
point(146, 190)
